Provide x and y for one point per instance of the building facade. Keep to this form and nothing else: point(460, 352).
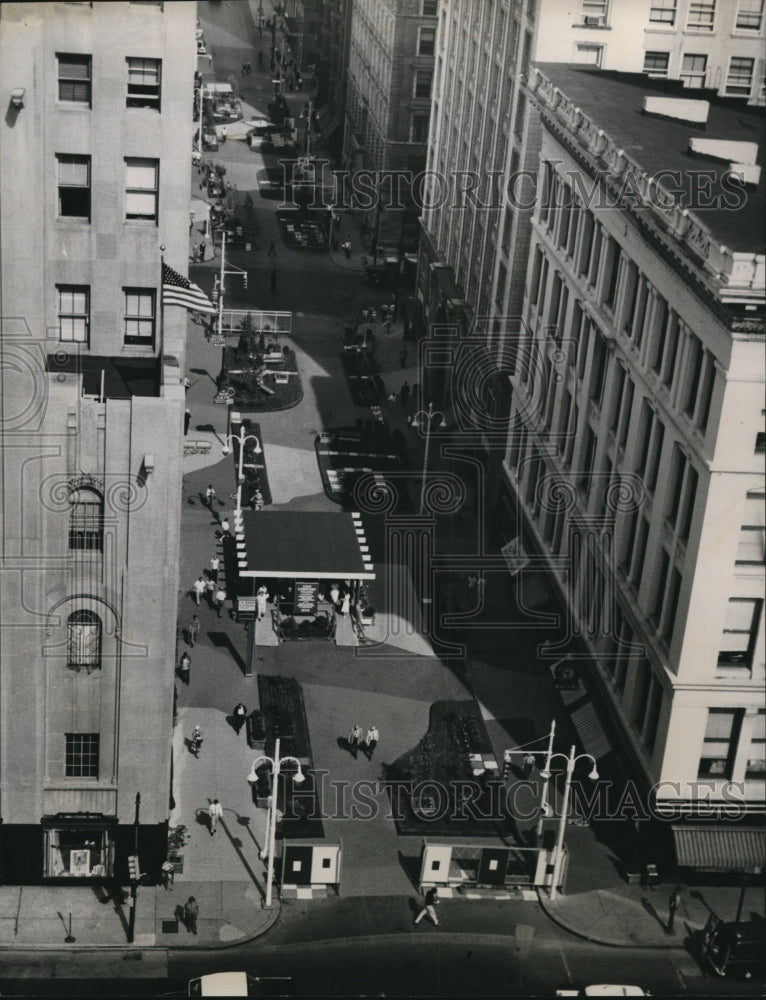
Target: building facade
point(388, 101)
point(94, 187)
point(636, 437)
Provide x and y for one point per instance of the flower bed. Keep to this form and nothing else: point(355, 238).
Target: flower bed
point(254, 380)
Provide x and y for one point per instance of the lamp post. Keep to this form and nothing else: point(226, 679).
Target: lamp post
point(427, 415)
point(241, 438)
point(271, 823)
point(545, 774)
point(559, 849)
point(135, 875)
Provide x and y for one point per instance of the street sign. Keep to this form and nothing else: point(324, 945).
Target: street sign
point(515, 556)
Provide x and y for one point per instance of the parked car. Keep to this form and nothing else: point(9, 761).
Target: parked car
point(240, 984)
point(604, 990)
point(209, 140)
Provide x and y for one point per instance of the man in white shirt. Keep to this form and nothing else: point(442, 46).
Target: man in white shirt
point(216, 812)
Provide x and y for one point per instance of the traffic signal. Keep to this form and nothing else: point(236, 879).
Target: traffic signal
point(134, 869)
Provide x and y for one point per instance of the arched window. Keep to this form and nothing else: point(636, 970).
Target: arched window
point(83, 646)
point(86, 519)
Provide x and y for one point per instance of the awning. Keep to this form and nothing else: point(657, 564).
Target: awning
point(318, 545)
point(721, 848)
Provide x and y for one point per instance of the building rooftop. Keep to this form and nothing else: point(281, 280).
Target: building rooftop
point(615, 103)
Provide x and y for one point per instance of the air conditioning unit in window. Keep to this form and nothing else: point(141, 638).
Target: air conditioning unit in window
point(593, 20)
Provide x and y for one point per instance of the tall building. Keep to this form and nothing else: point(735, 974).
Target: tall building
point(331, 69)
point(388, 101)
point(94, 185)
point(636, 438)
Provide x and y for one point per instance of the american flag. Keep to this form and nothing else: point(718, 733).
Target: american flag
point(179, 291)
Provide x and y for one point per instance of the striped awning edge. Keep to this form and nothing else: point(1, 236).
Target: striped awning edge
point(721, 848)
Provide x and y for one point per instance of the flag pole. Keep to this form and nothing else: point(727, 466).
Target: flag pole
point(162, 307)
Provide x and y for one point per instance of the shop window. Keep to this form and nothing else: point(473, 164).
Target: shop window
point(73, 313)
point(83, 649)
point(82, 750)
point(86, 520)
point(756, 761)
point(144, 83)
point(78, 850)
point(720, 742)
point(139, 316)
point(73, 179)
point(141, 188)
point(74, 79)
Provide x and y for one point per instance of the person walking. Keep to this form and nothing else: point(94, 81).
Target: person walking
point(239, 715)
point(210, 588)
point(198, 589)
point(184, 667)
point(223, 134)
point(225, 528)
point(261, 600)
point(219, 600)
point(353, 740)
point(272, 252)
point(187, 421)
point(429, 907)
point(527, 766)
point(215, 562)
point(347, 248)
point(194, 628)
point(202, 249)
point(675, 899)
point(371, 741)
point(215, 812)
point(256, 501)
point(196, 741)
point(210, 496)
point(191, 913)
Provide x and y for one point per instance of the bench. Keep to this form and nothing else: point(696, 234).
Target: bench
point(197, 447)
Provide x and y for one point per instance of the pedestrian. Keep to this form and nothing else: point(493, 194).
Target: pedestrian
point(345, 603)
point(353, 740)
point(223, 134)
point(219, 600)
point(215, 562)
point(187, 420)
point(239, 715)
point(273, 281)
point(191, 913)
point(403, 356)
point(272, 250)
point(675, 899)
point(225, 527)
point(371, 741)
point(194, 627)
point(168, 874)
point(215, 812)
point(197, 590)
point(196, 741)
point(334, 595)
point(527, 766)
point(256, 501)
point(210, 585)
point(210, 495)
point(202, 249)
point(261, 600)
point(186, 384)
point(404, 394)
point(347, 248)
point(429, 906)
point(185, 667)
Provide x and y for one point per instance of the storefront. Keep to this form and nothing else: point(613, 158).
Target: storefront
point(78, 845)
point(302, 574)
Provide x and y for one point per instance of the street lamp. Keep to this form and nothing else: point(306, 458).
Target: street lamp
point(559, 849)
point(227, 446)
point(271, 823)
point(545, 774)
point(427, 415)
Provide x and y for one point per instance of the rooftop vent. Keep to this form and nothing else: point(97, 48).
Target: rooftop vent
point(678, 109)
point(741, 157)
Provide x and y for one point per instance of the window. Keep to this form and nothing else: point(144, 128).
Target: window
point(740, 629)
point(740, 78)
point(419, 128)
point(73, 186)
point(73, 313)
point(429, 8)
point(83, 645)
point(139, 316)
point(750, 15)
point(141, 188)
point(144, 83)
point(760, 443)
point(720, 740)
point(82, 755)
point(663, 12)
point(591, 55)
point(701, 15)
point(656, 63)
point(74, 79)
point(752, 536)
point(422, 83)
point(86, 519)
point(756, 761)
point(693, 70)
point(594, 13)
point(426, 40)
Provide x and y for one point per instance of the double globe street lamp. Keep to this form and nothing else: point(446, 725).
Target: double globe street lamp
point(271, 822)
point(572, 758)
point(416, 420)
point(242, 438)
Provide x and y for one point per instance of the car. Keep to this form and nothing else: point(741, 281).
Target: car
point(261, 126)
point(604, 990)
point(240, 984)
point(209, 140)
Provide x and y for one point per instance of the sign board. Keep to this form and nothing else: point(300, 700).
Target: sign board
point(306, 597)
point(245, 608)
point(515, 556)
point(566, 676)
